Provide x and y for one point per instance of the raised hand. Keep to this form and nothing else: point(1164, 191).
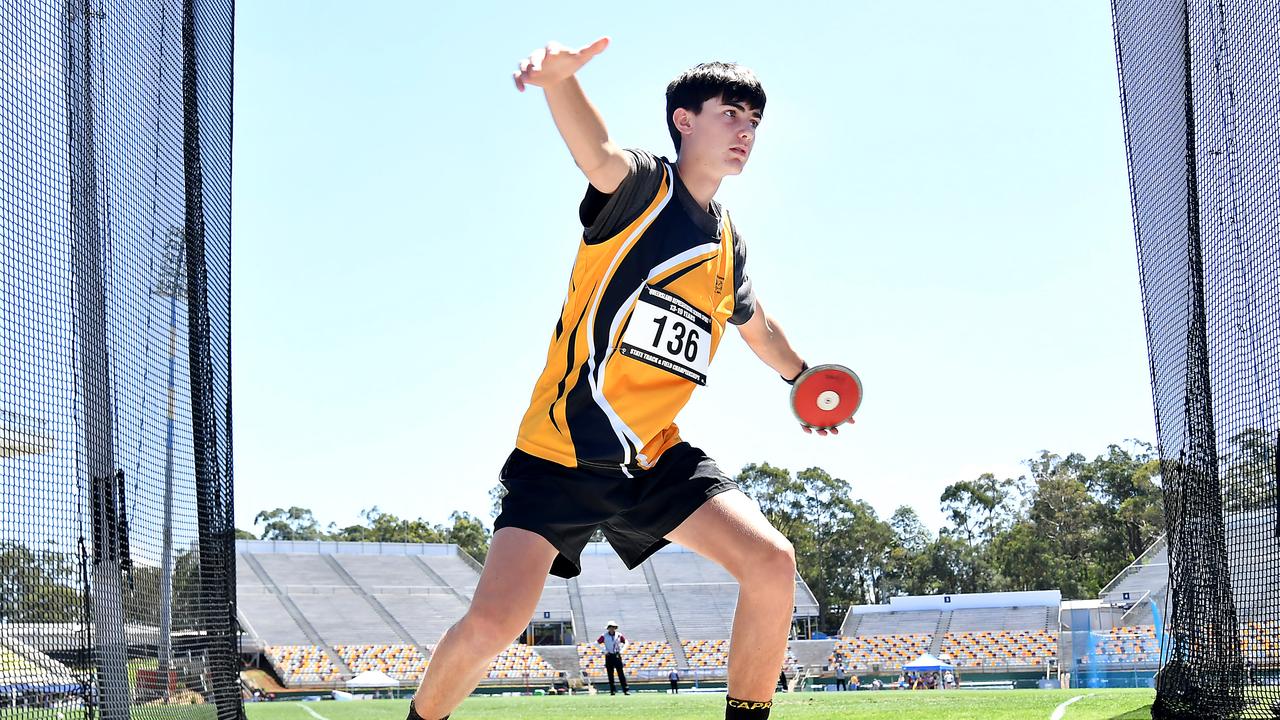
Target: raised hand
point(549, 65)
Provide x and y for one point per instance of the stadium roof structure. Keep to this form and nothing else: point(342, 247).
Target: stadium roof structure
point(964, 601)
point(23, 435)
point(24, 668)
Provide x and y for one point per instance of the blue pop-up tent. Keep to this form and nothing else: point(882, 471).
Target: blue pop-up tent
point(927, 663)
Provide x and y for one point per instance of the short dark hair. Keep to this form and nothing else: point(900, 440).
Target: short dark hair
point(731, 82)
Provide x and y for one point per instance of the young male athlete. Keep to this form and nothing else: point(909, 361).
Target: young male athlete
point(660, 270)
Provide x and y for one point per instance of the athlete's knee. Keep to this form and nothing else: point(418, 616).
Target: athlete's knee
point(492, 625)
point(772, 562)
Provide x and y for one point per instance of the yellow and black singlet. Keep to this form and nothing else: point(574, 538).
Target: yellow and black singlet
point(655, 280)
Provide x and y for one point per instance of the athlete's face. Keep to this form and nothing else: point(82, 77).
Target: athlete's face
point(722, 135)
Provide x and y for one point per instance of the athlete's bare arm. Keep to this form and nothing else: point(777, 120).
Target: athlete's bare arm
point(552, 68)
point(765, 338)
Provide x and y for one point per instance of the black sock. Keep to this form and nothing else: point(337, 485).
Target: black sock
point(736, 709)
point(413, 713)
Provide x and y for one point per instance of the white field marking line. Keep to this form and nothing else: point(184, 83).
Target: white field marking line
point(1061, 710)
point(314, 714)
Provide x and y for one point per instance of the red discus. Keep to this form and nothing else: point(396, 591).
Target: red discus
point(826, 396)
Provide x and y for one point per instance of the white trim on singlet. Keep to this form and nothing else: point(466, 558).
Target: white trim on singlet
point(620, 428)
point(709, 249)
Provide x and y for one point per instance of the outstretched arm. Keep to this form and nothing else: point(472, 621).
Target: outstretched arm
point(552, 68)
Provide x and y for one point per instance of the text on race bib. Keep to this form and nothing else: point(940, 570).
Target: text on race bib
point(670, 334)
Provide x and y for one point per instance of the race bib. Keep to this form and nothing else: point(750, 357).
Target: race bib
point(670, 334)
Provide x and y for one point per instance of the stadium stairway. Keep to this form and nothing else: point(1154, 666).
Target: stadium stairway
point(440, 581)
point(851, 624)
point(940, 633)
point(580, 629)
point(812, 654)
point(664, 614)
point(377, 607)
point(307, 628)
point(564, 658)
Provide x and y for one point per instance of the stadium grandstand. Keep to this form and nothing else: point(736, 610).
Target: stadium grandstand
point(1014, 634)
point(316, 614)
point(1116, 640)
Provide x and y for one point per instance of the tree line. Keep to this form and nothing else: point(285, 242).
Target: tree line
point(1068, 523)
point(298, 523)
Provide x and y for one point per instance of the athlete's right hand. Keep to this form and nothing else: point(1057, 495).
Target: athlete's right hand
point(554, 63)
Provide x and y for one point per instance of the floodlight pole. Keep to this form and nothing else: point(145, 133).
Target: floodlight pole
point(97, 469)
point(171, 284)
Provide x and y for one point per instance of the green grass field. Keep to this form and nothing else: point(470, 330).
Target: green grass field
point(887, 705)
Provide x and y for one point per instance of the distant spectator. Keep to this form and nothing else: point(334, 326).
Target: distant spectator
point(613, 642)
point(841, 681)
point(674, 678)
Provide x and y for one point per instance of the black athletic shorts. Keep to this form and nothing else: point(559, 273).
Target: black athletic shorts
point(565, 505)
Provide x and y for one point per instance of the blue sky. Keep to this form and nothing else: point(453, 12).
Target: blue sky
point(937, 199)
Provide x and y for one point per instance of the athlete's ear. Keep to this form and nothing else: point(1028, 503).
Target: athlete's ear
point(683, 120)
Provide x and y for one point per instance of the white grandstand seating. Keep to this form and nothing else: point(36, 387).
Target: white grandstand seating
point(630, 605)
point(912, 622)
point(554, 600)
point(383, 574)
point(266, 618)
point(1147, 574)
point(455, 570)
point(1004, 619)
point(701, 595)
point(307, 572)
point(426, 615)
point(339, 589)
point(343, 616)
point(612, 592)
